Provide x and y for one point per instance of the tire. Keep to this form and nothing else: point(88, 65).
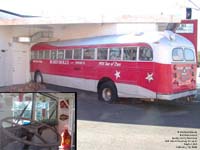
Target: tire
point(38, 77)
point(107, 92)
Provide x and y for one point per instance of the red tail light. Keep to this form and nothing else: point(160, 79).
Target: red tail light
point(192, 73)
point(176, 82)
point(175, 67)
point(192, 66)
point(193, 81)
point(175, 75)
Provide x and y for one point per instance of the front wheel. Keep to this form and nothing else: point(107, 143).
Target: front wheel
point(38, 77)
point(108, 92)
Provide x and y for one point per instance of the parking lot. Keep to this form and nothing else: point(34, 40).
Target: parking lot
point(133, 124)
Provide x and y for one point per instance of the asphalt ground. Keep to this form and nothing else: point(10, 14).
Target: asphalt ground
point(132, 124)
point(134, 111)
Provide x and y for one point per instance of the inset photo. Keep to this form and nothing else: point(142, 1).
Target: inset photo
point(37, 121)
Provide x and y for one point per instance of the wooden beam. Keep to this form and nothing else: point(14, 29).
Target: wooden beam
point(91, 19)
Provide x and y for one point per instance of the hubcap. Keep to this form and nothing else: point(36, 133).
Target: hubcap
point(38, 79)
point(107, 94)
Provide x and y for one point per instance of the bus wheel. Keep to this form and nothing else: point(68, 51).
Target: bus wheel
point(38, 77)
point(107, 92)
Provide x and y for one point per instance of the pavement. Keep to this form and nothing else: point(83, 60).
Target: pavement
point(94, 135)
point(135, 125)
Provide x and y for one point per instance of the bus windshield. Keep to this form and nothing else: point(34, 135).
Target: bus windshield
point(21, 105)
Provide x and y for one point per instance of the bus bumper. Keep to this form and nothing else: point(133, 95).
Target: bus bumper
point(177, 95)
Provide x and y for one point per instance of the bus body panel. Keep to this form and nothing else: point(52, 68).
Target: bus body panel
point(160, 77)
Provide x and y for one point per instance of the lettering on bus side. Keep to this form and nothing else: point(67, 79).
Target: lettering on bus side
point(110, 64)
point(37, 61)
point(61, 62)
point(79, 62)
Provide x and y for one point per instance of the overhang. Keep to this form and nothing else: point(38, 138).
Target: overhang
point(100, 19)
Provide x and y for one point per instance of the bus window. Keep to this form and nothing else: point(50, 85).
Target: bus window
point(68, 54)
point(177, 54)
point(60, 54)
point(22, 107)
point(40, 54)
point(36, 55)
point(189, 54)
point(77, 53)
point(46, 54)
point(102, 53)
point(32, 54)
point(130, 53)
point(88, 53)
point(115, 54)
point(145, 54)
point(53, 54)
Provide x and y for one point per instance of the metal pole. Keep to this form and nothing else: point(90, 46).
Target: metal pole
point(33, 106)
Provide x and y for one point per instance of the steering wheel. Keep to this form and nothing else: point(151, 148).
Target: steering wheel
point(33, 128)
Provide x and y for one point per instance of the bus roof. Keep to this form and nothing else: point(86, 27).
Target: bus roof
point(148, 38)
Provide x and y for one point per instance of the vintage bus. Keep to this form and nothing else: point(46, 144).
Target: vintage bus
point(154, 65)
point(33, 121)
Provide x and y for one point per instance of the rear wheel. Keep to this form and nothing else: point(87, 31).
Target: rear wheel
point(38, 77)
point(107, 92)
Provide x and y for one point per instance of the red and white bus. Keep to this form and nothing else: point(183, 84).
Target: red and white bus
point(157, 65)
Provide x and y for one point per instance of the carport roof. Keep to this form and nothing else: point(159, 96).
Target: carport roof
point(89, 19)
point(11, 18)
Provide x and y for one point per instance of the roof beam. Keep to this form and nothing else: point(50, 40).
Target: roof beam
point(92, 19)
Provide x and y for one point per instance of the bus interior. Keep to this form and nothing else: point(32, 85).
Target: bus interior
point(37, 121)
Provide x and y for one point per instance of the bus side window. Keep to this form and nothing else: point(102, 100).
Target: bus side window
point(36, 55)
point(68, 54)
point(60, 54)
point(77, 53)
point(41, 54)
point(145, 54)
point(88, 53)
point(46, 54)
point(33, 54)
point(115, 54)
point(53, 54)
point(102, 53)
point(130, 53)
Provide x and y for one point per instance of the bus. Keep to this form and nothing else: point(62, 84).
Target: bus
point(35, 121)
point(153, 65)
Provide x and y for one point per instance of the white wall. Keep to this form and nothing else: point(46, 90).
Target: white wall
point(5, 57)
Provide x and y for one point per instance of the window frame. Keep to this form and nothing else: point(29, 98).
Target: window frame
point(45, 51)
point(150, 59)
point(68, 50)
point(39, 53)
point(81, 55)
point(177, 48)
point(63, 54)
point(92, 49)
point(55, 54)
point(107, 49)
point(190, 51)
point(136, 57)
point(120, 57)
